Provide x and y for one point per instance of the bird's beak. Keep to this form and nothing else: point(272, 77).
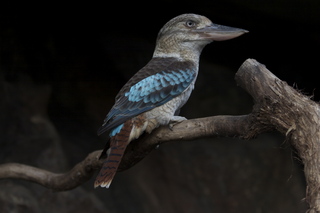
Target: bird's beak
point(217, 32)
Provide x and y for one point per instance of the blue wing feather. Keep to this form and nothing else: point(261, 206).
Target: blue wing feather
point(161, 80)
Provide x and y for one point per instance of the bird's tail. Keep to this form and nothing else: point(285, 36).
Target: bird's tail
point(118, 144)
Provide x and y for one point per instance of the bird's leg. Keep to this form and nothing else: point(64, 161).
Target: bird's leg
point(175, 120)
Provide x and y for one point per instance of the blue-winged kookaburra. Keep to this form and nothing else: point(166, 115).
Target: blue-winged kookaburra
point(154, 95)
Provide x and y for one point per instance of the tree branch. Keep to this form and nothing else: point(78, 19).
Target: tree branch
point(233, 126)
point(277, 106)
point(79, 174)
point(215, 126)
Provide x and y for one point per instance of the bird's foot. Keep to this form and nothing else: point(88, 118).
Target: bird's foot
point(175, 120)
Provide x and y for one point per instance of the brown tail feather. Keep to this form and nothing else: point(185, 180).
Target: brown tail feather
point(118, 144)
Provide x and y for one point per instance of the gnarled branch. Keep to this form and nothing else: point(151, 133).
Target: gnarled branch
point(277, 106)
point(79, 174)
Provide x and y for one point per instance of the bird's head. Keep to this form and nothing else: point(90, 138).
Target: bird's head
point(186, 35)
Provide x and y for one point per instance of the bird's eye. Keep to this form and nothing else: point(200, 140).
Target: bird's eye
point(190, 24)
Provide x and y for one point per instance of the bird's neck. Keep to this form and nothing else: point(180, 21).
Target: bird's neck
point(182, 54)
point(177, 55)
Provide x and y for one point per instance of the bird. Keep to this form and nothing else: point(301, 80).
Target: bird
point(154, 96)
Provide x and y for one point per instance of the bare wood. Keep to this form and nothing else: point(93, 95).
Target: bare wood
point(215, 126)
point(83, 171)
point(79, 174)
point(291, 113)
point(277, 107)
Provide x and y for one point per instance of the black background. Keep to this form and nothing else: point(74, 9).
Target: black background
point(61, 65)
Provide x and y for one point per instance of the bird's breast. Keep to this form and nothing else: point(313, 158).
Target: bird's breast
point(164, 113)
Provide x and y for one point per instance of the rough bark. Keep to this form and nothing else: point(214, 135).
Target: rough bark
point(281, 107)
point(277, 106)
point(79, 174)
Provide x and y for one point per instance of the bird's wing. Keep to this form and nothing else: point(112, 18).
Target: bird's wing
point(161, 80)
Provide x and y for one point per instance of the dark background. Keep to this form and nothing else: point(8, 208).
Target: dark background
point(62, 64)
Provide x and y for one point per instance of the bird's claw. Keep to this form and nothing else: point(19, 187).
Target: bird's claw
point(176, 120)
